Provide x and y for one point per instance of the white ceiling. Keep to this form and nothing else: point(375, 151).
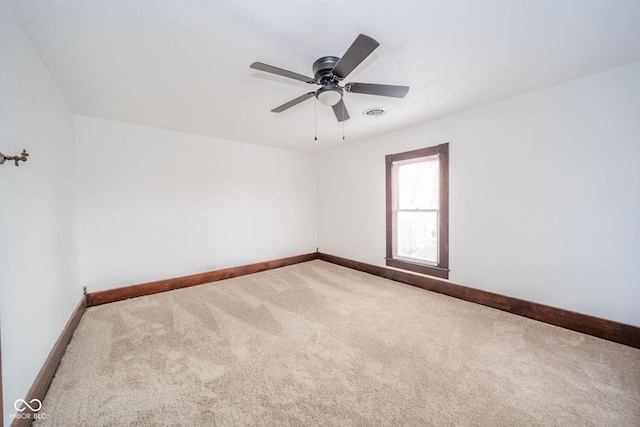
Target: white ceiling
point(184, 64)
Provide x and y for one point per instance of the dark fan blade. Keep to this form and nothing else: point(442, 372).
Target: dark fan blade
point(374, 89)
point(357, 52)
point(341, 111)
point(291, 103)
point(279, 71)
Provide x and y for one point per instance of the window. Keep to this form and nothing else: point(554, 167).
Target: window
point(418, 210)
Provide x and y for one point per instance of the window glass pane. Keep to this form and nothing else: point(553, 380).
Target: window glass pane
point(418, 184)
point(417, 236)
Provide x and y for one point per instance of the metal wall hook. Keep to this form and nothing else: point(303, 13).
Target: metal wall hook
point(16, 159)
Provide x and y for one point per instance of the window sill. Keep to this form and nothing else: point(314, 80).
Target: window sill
point(430, 270)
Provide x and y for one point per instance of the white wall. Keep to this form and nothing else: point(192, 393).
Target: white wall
point(157, 204)
point(545, 195)
point(39, 269)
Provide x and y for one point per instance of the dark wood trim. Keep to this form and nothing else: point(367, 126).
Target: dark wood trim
point(597, 327)
point(414, 154)
point(600, 328)
point(119, 294)
point(442, 269)
point(389, 204)
point(443, 221)
point(43, 380)
point(418, 268)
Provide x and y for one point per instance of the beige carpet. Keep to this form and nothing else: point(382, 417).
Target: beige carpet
point(317, 344)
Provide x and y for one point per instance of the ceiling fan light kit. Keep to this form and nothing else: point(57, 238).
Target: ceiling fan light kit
point(329, 71)
point(329, 96)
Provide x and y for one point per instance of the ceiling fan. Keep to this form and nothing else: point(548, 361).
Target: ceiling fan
point(329, 71)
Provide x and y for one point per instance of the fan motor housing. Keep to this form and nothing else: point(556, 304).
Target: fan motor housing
point(322, 68)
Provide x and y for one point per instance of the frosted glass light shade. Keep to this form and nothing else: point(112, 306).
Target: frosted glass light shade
point(329, 97)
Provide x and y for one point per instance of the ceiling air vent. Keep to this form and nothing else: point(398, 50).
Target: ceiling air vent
point(374, 112)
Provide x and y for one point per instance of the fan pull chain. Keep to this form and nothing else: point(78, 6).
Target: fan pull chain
point(315, 120)
point(344, 113)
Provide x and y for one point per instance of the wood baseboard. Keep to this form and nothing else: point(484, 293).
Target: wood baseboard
point(597, 327)
point(601, 328)
point(119, 294)
point(43, 380)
